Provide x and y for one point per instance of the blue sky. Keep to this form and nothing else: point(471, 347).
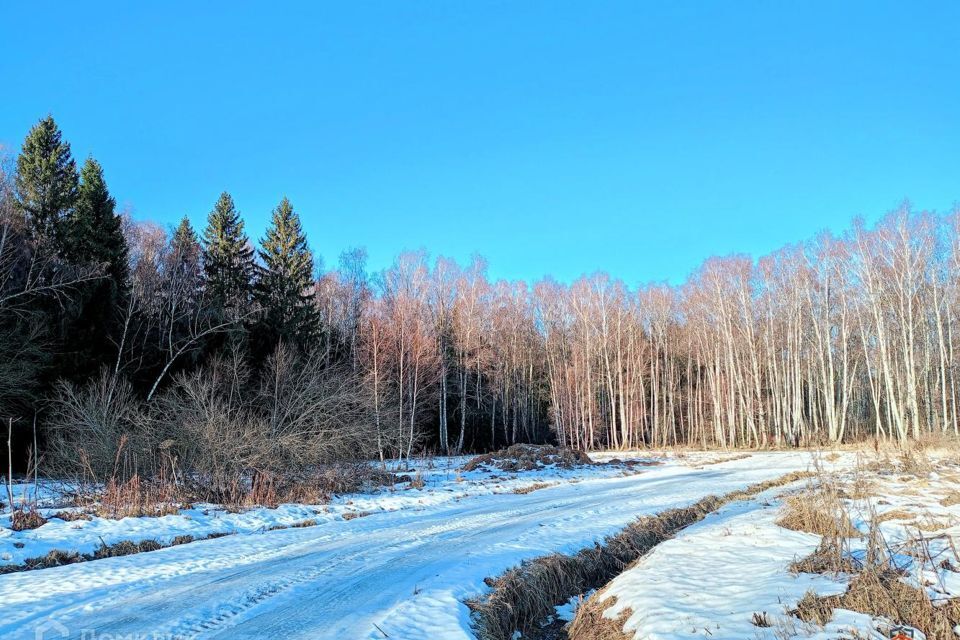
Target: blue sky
point(552, 137)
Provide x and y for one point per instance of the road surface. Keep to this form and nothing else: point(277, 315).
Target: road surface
point(399, 575)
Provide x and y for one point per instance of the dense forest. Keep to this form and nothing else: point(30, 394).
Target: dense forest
point(128, 345)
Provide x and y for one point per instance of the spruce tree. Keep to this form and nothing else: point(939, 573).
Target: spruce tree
point(227, 260)
point(284, 289)
point(92, 237)
point(46, 183)
point(94, 232)
point(185, 246)
point(184, 268)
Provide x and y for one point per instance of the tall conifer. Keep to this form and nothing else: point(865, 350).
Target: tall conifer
point(227, 260)
point(46, 182)
point(285, 286)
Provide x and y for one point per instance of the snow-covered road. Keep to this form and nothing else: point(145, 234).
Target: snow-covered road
point(401, 574)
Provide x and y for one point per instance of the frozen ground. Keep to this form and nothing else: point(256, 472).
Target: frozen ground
point(711, 579)
point(401, 572)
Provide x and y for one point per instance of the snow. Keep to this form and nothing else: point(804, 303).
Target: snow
point(403, 571)
point(710, 580)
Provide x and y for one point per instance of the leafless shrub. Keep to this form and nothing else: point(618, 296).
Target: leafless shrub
point(295, 433)
point(100, 430)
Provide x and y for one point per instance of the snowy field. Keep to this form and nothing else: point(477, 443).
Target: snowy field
point(391, 564)
point(730, 577)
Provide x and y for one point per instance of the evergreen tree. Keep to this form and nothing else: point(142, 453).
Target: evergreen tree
point(185, 247)
point(227, 260)
point(284, 289)
point(46, 183)
point(94, 232)
point(92, 236)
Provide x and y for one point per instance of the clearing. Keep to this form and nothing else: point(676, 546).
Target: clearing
point(391, 564)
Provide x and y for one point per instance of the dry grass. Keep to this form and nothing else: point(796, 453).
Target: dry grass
point(817, 510)
point(71, 516)
point(880, 592)
point(951, 499)
point(877, 587)
point(132, 498)
point(528, 457)
point(536, 486)
point(526, 595)
point(417, 481)
point(56, 557)
point(591, 624)
point(23, 519)
point(353, 515)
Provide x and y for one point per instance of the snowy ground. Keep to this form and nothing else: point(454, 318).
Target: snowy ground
point(403, 571)
point(711, 579)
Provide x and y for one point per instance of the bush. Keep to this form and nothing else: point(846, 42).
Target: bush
point(219, 433)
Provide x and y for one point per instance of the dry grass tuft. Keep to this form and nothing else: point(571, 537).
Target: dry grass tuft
point(136, 498)
point(951, 499)
point(125, 548)
point(813, 608)
point(591, 624)
point(26, 518)
point(418, 482)
point(536, 486)
point(352, 515)
point(760, 619)
point(831, 557)
point(71, 516)
point(817, 511)
point(54, 558)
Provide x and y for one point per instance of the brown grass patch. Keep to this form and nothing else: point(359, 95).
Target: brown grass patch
point(418, 482)
point(817, 510)
point(24, 519)
point(71, 516)
point(536, 486)
point(528, 457)
point(352, 515)
point(591, 624)
point(951, 499)
point(879, 592)
point(894, 514)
